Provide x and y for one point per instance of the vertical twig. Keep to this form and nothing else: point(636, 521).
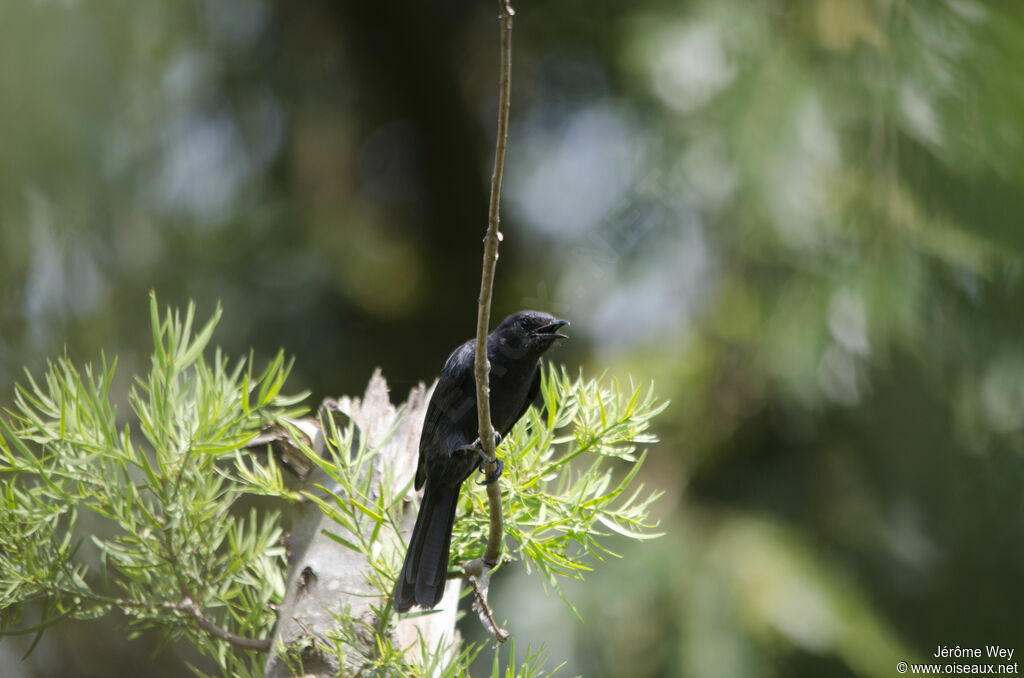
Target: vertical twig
point(492, 554)
point(479, 569)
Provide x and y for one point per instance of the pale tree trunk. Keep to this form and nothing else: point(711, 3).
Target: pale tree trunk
point(323, 575)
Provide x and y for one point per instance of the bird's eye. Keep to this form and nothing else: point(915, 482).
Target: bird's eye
point(523, 325)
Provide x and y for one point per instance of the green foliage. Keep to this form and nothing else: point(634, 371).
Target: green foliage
point(162, 500)
point(389, 661)
point(346, 644)
point(560, 492)
point(153, 502)
point(562, 495)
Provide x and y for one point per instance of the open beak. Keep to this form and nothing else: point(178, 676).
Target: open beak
point(551, 330)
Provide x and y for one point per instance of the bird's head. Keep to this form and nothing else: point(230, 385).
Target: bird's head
point(531, 332)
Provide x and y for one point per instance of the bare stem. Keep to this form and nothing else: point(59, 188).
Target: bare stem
point(492, 554)
point(188, 606)
point(484, 610)
point(207, 624)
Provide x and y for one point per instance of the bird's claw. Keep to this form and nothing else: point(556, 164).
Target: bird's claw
point(491, 477)
point(477, 446)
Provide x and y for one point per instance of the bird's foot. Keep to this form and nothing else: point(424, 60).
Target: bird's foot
point(491, 477)
point(477, 446)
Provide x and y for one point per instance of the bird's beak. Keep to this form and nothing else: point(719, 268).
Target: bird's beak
point(551, 330)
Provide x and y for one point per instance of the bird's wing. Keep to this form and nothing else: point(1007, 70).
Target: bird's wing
point(530, 397)
point(447, 404)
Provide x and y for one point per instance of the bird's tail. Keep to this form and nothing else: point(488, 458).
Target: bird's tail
point(423, 575)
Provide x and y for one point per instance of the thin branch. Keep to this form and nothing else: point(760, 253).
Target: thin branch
point(187, 605)
point(484, 610)
point(479, 569)
point(208, 625)
point(492, 554)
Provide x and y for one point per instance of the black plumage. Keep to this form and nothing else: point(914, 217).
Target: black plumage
point(449, 443)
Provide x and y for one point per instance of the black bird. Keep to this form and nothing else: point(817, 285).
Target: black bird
point(450, 446)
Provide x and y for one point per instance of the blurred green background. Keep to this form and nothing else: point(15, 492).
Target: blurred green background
point(802, 219)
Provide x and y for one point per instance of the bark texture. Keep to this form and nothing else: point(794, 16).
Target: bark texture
point(325, 576)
